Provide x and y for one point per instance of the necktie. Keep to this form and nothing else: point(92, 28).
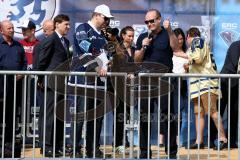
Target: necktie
point(63, 43)
point(65, 46)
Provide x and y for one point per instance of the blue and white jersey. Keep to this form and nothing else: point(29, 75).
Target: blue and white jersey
point(88, 53)
point(201, 62)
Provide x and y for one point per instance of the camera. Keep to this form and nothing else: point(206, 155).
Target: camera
point(113, 31)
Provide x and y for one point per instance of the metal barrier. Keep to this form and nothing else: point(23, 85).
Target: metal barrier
point(80, 110)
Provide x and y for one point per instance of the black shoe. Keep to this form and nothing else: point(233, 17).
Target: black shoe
point(144, 154)
point(127, 144)
point(78, 154)
point(161, 145)
point(98, 153)
point(222, 145)
point(49, 152)
point(173, 156)
point(8, 150)
point(68, 150)
point(195, 146)
point(212, 145)
point(7, 153)
point(233, 146)
point(17, 151)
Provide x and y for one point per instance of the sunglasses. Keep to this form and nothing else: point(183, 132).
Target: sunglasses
point(106, 19)
point(151, 21)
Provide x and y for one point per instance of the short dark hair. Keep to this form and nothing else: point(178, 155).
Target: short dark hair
point(156, 11)
point(60, 18)
point(193, 32)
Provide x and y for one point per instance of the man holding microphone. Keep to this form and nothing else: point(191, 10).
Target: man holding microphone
point(157, 46)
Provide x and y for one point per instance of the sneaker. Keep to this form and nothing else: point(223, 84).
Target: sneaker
point(120, 149)
point(222, 145)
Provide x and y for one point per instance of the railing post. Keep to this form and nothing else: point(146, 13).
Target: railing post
point(131, 117)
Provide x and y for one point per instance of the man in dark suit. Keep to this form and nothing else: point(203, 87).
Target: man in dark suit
point(54, 52)
point(231, 66)
point(48, 29)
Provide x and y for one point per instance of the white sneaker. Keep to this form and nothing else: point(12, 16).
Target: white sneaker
point(120, 149)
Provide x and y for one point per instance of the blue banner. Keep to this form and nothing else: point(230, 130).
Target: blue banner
point(226, 28)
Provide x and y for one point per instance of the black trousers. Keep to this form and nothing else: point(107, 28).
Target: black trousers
point(40, 94)
point(49, 126)
point(9, 108)
point(233, 111)
point(78, 120)
point(163, 119)
point(90, 125)
point(120, 123)
point(90, 128)
point(183, 98)
point(9, 115)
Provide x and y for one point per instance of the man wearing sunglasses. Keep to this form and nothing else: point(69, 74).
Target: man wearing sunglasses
point(89, 45)
point(156, 45)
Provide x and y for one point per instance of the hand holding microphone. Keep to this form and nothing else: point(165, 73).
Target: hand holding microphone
point(146, 41)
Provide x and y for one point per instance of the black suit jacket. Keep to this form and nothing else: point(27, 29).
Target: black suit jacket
point(36, 52)
point(231, 63)
point(52, 53)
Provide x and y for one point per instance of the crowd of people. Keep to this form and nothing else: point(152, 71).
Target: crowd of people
point(92, 42)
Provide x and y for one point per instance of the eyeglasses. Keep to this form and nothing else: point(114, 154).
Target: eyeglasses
point(106, 19)
point(151, 21)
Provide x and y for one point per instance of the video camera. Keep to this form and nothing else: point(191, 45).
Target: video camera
point(113, 31)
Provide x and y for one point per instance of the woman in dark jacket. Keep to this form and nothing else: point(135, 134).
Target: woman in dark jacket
point(122, 60)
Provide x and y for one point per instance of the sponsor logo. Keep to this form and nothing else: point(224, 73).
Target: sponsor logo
point(229, 36)
point(229, 25)
point(114, 23)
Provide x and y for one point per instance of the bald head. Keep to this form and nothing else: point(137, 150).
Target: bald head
point(7, 29)
point(48, 27)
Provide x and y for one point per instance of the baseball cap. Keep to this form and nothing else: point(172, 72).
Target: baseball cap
point(27, 24)
point(104, 10)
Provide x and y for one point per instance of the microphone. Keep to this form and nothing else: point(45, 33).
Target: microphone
point(149, 37)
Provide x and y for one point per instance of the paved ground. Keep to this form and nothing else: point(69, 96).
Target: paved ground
point(183, 153)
